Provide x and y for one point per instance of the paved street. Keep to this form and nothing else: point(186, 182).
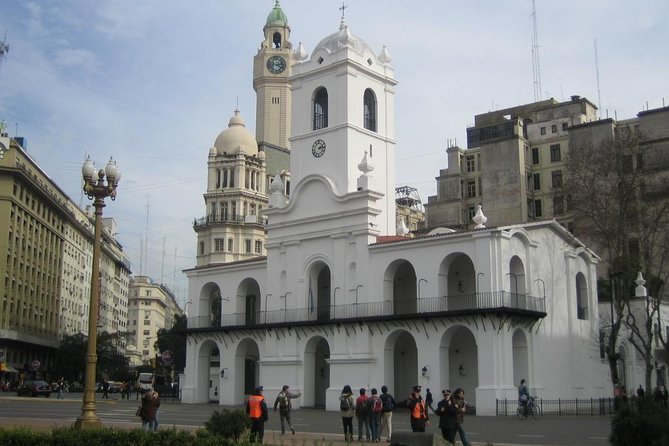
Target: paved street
point(310, 423)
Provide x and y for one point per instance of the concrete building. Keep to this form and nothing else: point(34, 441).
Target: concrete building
point(513, 166)
point(152, 307)
point(47, 266)
point(341, 299)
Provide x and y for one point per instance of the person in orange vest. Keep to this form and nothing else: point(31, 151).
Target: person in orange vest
point(419, 416)
point(256, 408)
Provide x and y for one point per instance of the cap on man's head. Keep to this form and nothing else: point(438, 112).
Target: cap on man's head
point(285, 387)
point(416, 388)
point(259, 388)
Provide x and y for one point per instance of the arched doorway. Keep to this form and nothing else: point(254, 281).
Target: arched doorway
point(247, 371)
point(318, 291)
point(248, 297)
point(400, 283)
point(400, 362)
point(516, 282)
point(208, 366)
point(457, 281)
point(316, 371)
point(521, 362)
point(209, 305)
point(459, 361)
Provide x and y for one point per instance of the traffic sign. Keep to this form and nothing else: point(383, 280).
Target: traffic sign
point(36, 364)
point(166, 356)
point(2, 356)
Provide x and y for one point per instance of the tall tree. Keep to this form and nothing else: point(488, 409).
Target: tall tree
point(620, 206)
point(174, 340)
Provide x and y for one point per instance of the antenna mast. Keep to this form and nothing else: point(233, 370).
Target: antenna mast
point(536, 66)
point(599, 93)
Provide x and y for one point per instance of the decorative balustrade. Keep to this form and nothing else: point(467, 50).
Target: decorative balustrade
point(496, 301)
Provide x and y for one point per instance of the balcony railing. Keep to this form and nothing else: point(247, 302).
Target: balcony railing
point(496, 301)
point(225, 218)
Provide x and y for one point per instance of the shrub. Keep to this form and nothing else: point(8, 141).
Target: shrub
point(645, 424)
point(229, 424)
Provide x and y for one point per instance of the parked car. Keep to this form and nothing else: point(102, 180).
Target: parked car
point(34, 388)
point(115, 386)
point(76, 386)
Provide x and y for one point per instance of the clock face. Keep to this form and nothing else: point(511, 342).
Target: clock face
point(318, 149)
point(276, 64)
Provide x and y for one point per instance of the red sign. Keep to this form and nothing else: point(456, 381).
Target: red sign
point(36, 364)
point(166, 356)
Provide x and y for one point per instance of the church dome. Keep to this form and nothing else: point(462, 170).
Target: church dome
point(236, 138)
point(277, 17)
point(341, 39)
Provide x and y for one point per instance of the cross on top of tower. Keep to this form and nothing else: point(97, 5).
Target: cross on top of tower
point(342, 8)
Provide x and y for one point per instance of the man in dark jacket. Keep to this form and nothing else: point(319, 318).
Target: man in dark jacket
point(387, 412)
point(256, 408)
point(447, 412)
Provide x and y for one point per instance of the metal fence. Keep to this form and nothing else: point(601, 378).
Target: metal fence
point(495, 300)
point(559, 407)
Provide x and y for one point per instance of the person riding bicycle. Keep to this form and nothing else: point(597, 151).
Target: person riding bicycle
point(523, 396)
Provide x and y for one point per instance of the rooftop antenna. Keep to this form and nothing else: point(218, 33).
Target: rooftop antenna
point(536, 66)
point(599, 93)
point(4, 48)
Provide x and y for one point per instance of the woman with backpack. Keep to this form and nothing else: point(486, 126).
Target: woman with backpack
point(346, 406)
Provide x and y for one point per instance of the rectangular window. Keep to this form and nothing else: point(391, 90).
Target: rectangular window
point(147, 332)
point(147, 322)
point(554, 128)
point(556, 177)
point(535, 155)
point(565, 125)
point(478, 161)
point(471, 188)
point(258, 246)
point(220, 244)
point(247, 245)
point(555, 152)
point(537, 209)
point(230, 245)
point(536, 181)
point(470, 163)
point(543, 130)
point(471, 211)
point(558, 205)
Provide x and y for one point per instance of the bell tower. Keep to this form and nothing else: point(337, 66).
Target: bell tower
point(271, 72)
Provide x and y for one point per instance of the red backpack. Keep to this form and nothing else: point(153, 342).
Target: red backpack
point(376, 404)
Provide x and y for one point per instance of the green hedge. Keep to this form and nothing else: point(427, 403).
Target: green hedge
point(226, 428)
point(644, 423)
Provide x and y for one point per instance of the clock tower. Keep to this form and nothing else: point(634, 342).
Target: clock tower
point(271, 73)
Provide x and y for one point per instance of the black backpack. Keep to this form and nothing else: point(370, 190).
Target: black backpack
point(283, 401)
point(361, 408)
point(345, 404)
point(388, 402)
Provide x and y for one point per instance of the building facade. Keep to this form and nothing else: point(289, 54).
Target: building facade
point(152, 307)
point(46, 271)
point(341, 299)
point(513, 166)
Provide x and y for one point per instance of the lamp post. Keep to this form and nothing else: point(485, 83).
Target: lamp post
point(285, 305)
point(268, 295)
point(477, 281)
point(334, 300)
point(96, 190)
point(419, 282)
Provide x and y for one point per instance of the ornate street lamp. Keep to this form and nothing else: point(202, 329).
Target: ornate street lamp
point(96, 190)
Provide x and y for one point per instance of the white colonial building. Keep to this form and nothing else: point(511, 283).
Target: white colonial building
point(340, 298)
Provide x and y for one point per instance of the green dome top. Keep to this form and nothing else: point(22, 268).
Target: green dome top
point(277, 16)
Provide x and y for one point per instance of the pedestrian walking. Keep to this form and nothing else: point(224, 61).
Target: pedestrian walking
point(256, 408)
point(428, 399)
point(149, 411)
point(362, 414)
point(640, 392)
point(460, 408)
point(283, 403)
point(375, 407)
point(447, 413)
point(105, 389)
point(418, 413)
point(347, 409)
point(387, 413)
point(60, 388)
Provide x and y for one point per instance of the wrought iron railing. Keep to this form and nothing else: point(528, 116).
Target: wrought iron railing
point(490, 301)
point(560, 406)
point(225, 218)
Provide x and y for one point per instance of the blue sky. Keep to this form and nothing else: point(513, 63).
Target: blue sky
point(153, 82)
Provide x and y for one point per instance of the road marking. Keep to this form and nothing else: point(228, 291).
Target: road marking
point(530, 436)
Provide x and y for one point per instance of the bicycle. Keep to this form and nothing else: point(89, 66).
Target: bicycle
point(531, 409)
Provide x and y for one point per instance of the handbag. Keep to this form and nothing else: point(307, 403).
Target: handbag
point(139, 411)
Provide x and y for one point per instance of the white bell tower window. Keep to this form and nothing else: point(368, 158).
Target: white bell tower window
point(369, 110)
point(321, 109)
